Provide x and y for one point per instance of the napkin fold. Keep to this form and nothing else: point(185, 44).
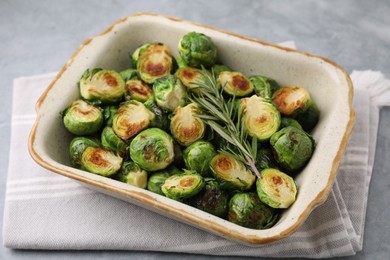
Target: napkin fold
point(44, 210)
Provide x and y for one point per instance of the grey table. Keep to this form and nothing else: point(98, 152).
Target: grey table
point(39, 36)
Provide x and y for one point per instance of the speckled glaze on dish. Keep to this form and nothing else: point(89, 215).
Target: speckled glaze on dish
point(327, 83)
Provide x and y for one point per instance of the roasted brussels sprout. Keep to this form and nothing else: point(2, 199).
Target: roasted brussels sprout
point(264, 87)
point(292, 148)
point(132, 174)
point(108, 114)
point(169, 92)
point(112, 142)
point(260, 118)
point(100, 161)
point(82, 118)
point(136, 53)
point(235, 83)
point(131, 118)
point(152, 149)
point(288, 121)
point(276, 189)
point(198, 155)
point(157, 179)
point(211, 199)
point(182, 186)
point(129, 74)
point(197, 50)
point(77, 147)
point(231, 173)
point(160, 117)
point(186, 128)
point(218, 68)
point(102, 86)
point(265, 159)
point(246, 209)
point(137, 90)
point(296, 102)
point(189, 77)
point(153, 61)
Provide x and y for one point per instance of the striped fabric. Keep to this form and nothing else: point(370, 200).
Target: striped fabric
point(44, 210)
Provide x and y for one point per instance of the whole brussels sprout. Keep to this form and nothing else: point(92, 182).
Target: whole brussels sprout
point(186, 128)
point(82, 118)
point(112, 142)
point(246, 209)
point(189, 77)
point(137, 90)
point(235, 83)
point(260, 118)
point(264, 87)
point(265, 159)
point(102, 86)
point(197, 50)
point(218, 68)
point(131, 118)
point(108, 114)
point(100, 161)
point(129, 74)
point(211, 199)
point(198, 155)
point(157, 179)
point(182, 186)
point(154, 61)
point(77, 147)
point(294, 101)
point(288, 121)
point(169, 92)
point(276, 189)
point(152, 149)
point(231, 173)
point(160, 117)
point(132, 174)
point(292, 148)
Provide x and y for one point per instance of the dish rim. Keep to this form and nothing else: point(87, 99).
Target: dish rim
point(147, 199)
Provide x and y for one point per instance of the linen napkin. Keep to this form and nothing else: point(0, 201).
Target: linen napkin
point(44, 210)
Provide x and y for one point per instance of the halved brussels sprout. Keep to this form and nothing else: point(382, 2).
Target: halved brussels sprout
point(235, 83)
point(132, 174)
point(131, 118)
point(231, 173)
point(82, 118)
point(154, 61)
point(136, 53)
point(264, 87)
point(197, 50)
point(112, 142)
point(245, 209)
point(138, 90)
point(77, 147)
point(296, 102)
point(186, 128)
point(198, 155)
point(218, 68)
point(108, 114)
point(169, 92)
point(276, 189)
point(265, 159)
point(152, 149)
point(100, 161)
point(160, 117)
point(292, 148)
point(102, 86)
point(129, 74)
point(260, 118)
point(157, 179)
point(182, 186)
point(211, 199)
point(189, 77)
point(288, 121)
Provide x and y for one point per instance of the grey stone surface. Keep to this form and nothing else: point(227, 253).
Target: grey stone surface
point(39, 36)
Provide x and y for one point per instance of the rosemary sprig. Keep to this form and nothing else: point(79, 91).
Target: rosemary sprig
point(219, 114)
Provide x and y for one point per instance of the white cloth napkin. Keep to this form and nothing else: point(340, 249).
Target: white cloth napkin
point(44, 210)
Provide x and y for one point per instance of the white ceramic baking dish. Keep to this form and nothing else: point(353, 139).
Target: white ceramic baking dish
point(327, 83)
